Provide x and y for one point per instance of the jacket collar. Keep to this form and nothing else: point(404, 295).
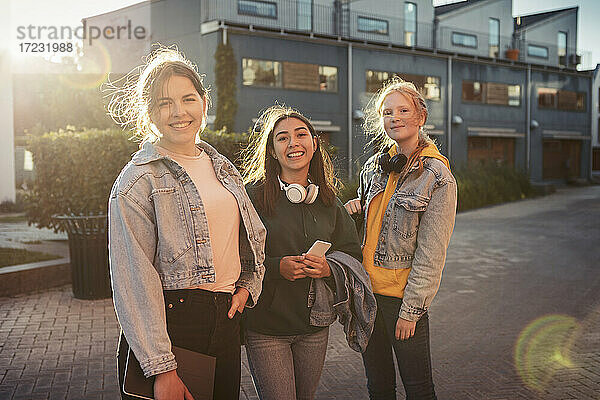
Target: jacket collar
point(148, 153)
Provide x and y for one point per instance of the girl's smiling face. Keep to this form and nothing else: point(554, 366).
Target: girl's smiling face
point(401, 120)
point(293, 147)
point(179, 113)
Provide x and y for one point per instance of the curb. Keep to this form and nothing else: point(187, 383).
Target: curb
point(27, 278)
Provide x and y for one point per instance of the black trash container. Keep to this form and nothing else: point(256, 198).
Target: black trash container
point(88, 248)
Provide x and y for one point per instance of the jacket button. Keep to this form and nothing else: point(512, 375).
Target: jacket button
point(170, 305)
point(181, 300)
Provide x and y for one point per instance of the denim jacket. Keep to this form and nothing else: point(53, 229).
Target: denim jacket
point(159, 240)
point(416, 228)
point(353, 301)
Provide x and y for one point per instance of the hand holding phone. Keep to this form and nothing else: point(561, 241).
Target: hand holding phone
point(314, 259)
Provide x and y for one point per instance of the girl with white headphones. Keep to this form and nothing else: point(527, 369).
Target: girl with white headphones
point(292, 185)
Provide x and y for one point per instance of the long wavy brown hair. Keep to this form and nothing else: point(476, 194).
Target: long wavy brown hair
point(259, 167)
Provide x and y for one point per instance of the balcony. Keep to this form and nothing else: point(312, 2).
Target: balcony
point(340, 21)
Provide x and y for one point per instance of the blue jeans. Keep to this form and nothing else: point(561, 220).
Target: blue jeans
point(286, 367)
point(412, 355)
point(197, 320)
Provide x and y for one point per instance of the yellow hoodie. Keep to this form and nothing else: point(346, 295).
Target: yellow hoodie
point(388, 282)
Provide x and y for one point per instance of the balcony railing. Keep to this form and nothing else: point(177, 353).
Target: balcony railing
point(302, 16)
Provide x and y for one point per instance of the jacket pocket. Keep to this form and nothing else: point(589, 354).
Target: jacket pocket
point(173, 229)
point(407, 211)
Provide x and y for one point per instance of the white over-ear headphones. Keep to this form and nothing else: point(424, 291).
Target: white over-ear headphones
point(297, 193)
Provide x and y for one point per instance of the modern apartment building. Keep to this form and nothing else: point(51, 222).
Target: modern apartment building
point(491, 95)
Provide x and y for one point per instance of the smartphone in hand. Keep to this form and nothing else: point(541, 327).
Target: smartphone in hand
point(319, 248)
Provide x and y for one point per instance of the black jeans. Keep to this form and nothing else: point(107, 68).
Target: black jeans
point(413, 356)
point(200, 323)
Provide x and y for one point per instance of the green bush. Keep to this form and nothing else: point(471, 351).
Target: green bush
point(478, 186)
point(489, 184)
point(348, 190)
point(75, 170)
point(227, 143)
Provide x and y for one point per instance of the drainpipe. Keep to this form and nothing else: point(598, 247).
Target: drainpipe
point(593, 113)
point(436, 23)
point(350, 133)
point(528, 120)
point(449, 109)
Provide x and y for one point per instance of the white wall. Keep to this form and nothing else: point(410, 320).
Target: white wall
point(7, 136)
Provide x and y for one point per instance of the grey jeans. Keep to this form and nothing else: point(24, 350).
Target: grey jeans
point(286, 367)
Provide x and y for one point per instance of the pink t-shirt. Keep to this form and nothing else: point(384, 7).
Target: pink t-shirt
point(223, 217)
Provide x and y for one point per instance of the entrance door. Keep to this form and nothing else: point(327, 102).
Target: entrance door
point(562, 159)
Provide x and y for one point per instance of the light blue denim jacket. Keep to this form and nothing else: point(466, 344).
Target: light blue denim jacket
point(416, 229)
point(352, 301)
point(159, 240)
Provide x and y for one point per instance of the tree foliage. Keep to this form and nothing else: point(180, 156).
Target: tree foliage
point(225, 74)
point(48, 102)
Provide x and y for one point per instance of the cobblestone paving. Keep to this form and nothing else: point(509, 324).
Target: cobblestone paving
point(517, 317)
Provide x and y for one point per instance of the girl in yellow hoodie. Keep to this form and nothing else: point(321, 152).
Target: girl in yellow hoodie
point(408, 196)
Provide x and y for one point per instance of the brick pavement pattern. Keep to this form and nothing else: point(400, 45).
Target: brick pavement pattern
point(517, 317)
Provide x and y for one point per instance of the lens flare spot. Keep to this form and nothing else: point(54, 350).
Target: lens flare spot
point(543, 348)
point(95, 65)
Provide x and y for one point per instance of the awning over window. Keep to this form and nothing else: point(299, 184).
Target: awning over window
point(494, 132)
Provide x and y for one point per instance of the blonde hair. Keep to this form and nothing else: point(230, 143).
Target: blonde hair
point(260, 167)
point(133, 97)
point(373, 121)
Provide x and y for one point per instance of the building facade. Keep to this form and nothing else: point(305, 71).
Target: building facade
point(327, 57)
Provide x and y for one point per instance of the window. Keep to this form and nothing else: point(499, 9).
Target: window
point(372, 25)
point(571, 101)
point(410, 24)
point(289, 75)
point(257, 8)
point(514, 95)
point(537, 51)
point(463, 39)
point(261, 73)
point(491, 93)
point(428, 86)
point(494, 39)
point(562, 49)
point(564, 100)
point(472, 91)
point(328, 79)
point(28, 161)
point(304, 14)
point(547, 98)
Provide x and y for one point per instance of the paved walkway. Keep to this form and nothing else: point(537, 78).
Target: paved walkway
point(517, 317)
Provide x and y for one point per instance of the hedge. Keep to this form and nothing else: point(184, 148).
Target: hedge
point(478, 186)
point(75, 169)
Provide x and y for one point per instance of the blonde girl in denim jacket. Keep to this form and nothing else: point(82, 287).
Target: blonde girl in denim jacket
point(185, 243)
point(407, 195)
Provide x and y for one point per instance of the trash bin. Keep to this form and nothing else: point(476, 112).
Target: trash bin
point(88, 248)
